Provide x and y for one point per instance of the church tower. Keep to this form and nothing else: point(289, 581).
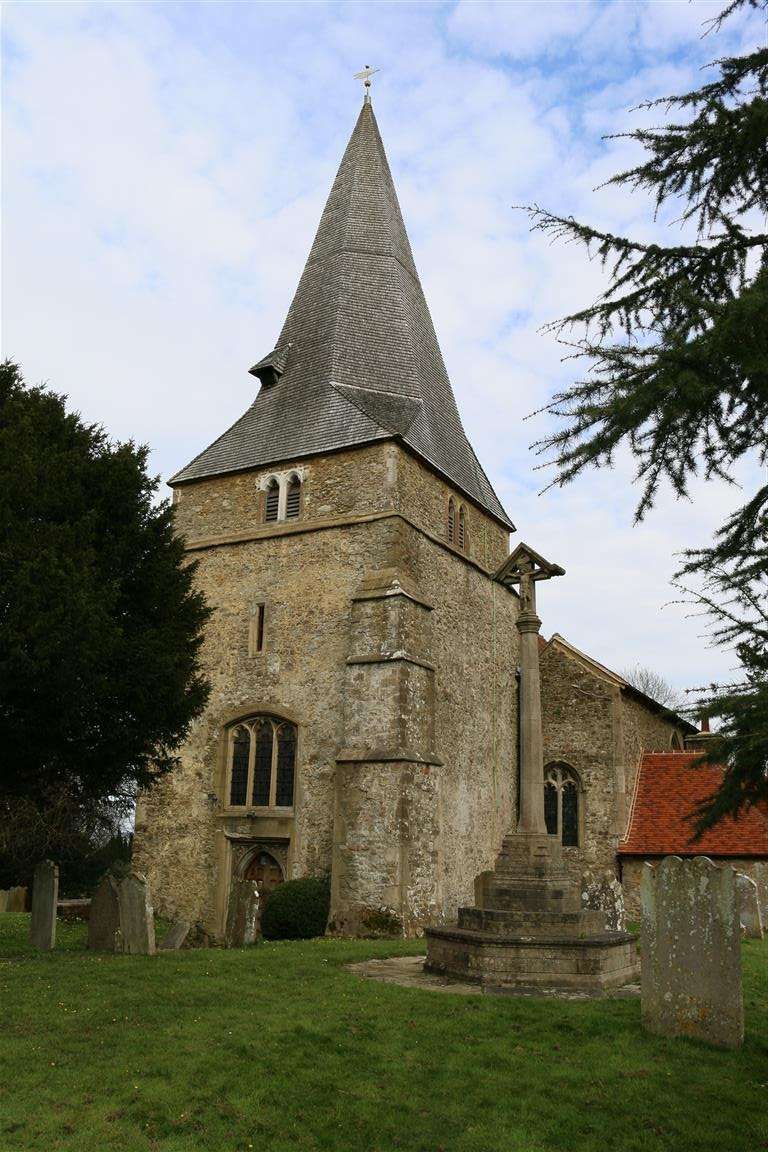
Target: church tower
point(362, 717)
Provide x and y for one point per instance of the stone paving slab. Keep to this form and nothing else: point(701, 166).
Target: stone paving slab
point(408, 972)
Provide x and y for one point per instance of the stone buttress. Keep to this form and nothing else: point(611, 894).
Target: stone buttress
point(386, 855)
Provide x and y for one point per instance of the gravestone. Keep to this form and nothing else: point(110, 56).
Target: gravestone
point(104, 919)
point(243, 914)
point(45, 894)
point(137, 920)
point(691, 951)
point(175, 936)
point(15, 899)
point(749, 907)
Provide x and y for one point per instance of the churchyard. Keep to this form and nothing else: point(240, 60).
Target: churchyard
point(279, 1046)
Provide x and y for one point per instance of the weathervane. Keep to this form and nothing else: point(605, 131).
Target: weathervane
point(365, 76)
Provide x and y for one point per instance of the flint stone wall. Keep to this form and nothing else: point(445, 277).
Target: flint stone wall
point(185, 831)
point(691, 951)
point(601, 732)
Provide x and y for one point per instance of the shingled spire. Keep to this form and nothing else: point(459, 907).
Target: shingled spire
point(357, 359)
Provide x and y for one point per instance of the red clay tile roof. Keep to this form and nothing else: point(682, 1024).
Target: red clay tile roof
point(668, 788)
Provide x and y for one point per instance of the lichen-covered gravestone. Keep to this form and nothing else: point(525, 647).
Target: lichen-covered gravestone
point(45, 894)
point(749, 907)
point(243, 915)
point(137, 918)
point(104, 919)
point(691, 951)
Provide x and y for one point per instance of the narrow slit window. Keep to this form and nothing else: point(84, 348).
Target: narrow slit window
point(272, 503)
point(293, 498)
point(256, 631)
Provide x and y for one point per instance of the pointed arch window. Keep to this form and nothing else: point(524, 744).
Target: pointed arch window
point(461, 535)
point(272, 502)
point(562, 804)
point(293, 498)
point(451, 521)
point(261, 763)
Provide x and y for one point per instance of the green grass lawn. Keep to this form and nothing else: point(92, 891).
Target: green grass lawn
point(277, 1047)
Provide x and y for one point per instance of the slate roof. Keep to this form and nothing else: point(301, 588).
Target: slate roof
point(358, 357)
point(669, 786)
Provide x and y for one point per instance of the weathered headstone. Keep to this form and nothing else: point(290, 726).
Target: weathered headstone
point(243, 914)
point(137, 920)
point(45, 893)
point(602, 892)
point(15, 899)
point(104, 920)
point(691, 951)
point(749, 907)
point(175, 936)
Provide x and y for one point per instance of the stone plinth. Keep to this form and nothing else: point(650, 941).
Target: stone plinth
point(528, 930)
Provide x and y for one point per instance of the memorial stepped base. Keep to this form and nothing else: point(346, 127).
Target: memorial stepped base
point(528, 930)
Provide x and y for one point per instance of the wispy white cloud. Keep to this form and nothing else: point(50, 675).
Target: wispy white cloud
point(165, 169)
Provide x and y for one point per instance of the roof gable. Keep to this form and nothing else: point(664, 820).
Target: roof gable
point(357, 359)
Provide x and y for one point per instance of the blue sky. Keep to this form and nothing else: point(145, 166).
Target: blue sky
point(165, 166)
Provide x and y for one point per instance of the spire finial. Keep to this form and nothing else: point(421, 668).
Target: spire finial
point(365, 76)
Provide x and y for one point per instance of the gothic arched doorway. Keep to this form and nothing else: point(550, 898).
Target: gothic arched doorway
point(265, 870)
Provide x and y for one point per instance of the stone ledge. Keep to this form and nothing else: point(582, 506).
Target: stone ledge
point(386, 756)
point(522, 940)
point(392, 658)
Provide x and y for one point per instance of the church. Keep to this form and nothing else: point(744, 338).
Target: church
point(363, 653)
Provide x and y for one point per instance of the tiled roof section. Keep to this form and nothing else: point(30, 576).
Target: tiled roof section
point(363, 362)
point(669, 787)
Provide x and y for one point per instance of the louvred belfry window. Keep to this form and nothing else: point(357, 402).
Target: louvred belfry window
point(462, 533)
point(262, 763)
point(293, 498)
point(561, 803)
point(272, 503)
point(451, 522)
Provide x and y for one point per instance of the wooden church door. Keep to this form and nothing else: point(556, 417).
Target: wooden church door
point(266, 871)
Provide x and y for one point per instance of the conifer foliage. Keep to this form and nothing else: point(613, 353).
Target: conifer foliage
point(100, 625)
point(676, 353)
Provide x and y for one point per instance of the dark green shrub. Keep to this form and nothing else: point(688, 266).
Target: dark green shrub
point(297, 910)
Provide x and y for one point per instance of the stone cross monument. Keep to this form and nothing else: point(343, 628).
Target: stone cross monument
point(527, 928)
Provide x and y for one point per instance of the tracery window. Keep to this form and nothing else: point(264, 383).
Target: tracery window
point(262, 763)
point(561, 803)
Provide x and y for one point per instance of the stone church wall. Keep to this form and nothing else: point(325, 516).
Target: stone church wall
point(355, 506)
point(601, 731)
point(579, 728)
